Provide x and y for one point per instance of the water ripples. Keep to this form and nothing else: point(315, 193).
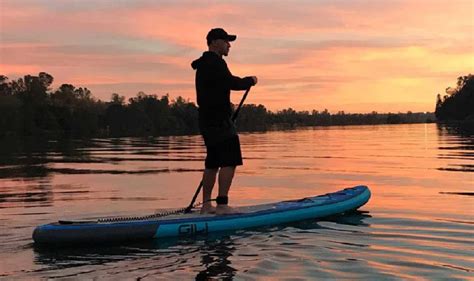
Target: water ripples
point(418, 224)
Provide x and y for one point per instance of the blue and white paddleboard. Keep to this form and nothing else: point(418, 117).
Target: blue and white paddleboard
point(142, 228)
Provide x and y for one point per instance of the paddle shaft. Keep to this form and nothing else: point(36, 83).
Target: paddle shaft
point(233, 118)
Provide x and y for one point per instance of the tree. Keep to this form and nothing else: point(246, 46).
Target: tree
point(117, 99)
point(4, 86)
point(458, 103)
point(46, 80)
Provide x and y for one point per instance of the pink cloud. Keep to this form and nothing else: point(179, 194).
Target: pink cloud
point(304, 54)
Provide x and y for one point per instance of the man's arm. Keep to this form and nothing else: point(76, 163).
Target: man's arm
point(238, 83)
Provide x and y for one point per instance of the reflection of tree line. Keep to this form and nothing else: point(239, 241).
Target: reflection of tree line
point(24, 163)
point(460, 148)
point(29, 107)
point(31, 157)
point(40, 195)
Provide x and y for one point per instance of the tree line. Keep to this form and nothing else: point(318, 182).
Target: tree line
point(458, 103)
point(29, 106)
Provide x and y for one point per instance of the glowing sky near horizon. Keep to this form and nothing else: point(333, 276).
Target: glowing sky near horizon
point(356, 56)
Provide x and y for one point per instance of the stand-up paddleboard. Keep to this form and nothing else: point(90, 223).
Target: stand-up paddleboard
point(141, 228)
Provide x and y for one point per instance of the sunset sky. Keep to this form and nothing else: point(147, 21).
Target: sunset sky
point(356, 56)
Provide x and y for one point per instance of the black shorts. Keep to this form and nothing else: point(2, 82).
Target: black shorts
point(224, 154)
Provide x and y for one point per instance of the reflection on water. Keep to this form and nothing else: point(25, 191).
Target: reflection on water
point(459, 193)
point(417, 223)
point(38, 195)
point(27, 166)
point(457, 143)
point(213, 253)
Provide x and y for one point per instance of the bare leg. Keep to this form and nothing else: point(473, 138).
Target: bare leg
point(226, 175)
point(208, 180)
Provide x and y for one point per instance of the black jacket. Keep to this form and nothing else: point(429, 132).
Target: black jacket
point(213, 84)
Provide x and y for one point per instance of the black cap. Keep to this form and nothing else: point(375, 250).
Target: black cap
point(219, 33)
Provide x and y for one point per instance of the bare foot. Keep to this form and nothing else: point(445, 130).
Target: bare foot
point(225, 210)
point(208, 209)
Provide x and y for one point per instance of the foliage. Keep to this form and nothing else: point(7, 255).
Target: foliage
point(458, 103)
point(29, 106)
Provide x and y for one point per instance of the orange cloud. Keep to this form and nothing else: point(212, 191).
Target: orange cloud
point(344, 55)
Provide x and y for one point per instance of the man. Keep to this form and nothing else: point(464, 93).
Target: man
point(214, 82)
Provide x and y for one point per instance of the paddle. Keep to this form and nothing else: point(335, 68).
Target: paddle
point(233, 118)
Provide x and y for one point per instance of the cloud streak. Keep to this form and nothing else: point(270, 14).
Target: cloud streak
point(355, 56)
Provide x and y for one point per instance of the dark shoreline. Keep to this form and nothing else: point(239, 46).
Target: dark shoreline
point(270, 128)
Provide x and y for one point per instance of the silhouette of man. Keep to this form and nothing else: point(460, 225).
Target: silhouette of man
point(214, 82)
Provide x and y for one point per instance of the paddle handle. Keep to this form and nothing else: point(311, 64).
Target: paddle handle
point(236, 113)
point(189, 208)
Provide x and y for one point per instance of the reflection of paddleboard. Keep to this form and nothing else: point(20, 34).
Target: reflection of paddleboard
point(140, 228)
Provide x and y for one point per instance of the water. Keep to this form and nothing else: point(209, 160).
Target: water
point(418, 223)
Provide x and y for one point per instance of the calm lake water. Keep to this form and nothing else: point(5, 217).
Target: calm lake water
point(418, 223)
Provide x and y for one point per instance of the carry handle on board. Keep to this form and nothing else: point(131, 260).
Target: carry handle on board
point(234, 117)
